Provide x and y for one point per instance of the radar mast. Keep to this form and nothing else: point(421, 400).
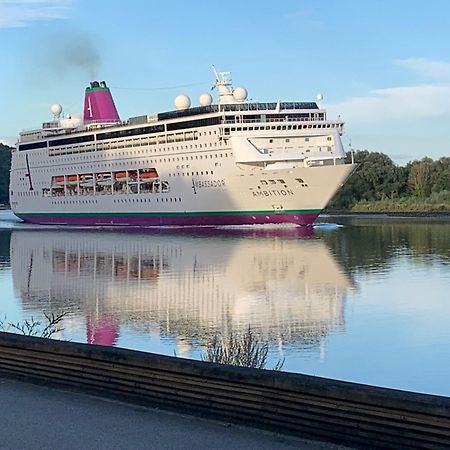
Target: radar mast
point(224, 87)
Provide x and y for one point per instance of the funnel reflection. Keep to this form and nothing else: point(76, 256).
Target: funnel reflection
point(180, 287)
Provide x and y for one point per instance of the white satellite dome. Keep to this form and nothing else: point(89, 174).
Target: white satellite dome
point(240, 94)
point(56, 109)
point(182, 102)
point(205, 99)
point(319, 97)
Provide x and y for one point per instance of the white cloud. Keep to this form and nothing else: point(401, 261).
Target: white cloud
point(439, 70)
point(8, 140)
point(19, 13)
point(427, 100)
point(395, 103)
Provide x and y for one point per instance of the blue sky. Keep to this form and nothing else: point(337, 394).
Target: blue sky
point(383, 66)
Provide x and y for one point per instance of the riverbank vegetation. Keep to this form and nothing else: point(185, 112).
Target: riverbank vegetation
point(5, 164)
point(36, 328)
point(379, 185)
point(241, 349)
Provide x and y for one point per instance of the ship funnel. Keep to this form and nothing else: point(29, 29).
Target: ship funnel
point(99, 105)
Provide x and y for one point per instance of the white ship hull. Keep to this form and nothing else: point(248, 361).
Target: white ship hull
point(227, 199)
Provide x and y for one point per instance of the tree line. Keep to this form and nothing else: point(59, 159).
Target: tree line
point(378, 179)
point(5, 165)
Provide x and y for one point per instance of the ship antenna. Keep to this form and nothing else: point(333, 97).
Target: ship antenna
point(224, 87)
point(351, 151)
point(215, 72)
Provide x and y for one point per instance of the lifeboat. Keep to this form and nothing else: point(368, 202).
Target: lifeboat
point(72, 179)
point(148, 175)
point(58, 180)
point(149, 273)
point(104, 178)
point(87, 180)
point(121, 176)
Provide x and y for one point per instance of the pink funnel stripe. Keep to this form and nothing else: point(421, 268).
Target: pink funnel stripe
point(103, 331)
point(99, 106)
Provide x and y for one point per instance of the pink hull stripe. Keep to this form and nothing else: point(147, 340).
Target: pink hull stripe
point(142, 220)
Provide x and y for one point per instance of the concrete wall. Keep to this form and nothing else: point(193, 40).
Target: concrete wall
point(351, 413)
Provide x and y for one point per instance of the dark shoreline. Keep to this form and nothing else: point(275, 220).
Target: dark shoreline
point(443, 215)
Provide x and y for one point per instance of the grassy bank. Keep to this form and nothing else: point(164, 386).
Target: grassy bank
point(438, 202)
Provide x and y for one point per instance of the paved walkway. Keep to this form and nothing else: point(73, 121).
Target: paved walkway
point(37, 417)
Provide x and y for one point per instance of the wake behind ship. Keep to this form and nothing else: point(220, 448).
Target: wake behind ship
point(232, 162)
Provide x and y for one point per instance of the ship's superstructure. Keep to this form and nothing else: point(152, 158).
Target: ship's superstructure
point(231, 162)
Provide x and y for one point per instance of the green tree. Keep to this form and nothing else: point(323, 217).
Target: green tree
point(420, 177)
point(441, 180)
point(376, 178)
point(5, 165)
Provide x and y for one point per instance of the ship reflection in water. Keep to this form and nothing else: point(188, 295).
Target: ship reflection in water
point(171, 292)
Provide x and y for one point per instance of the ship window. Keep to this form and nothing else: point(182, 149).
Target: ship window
point(32, 146)
point(193, 123)
point(73, 140)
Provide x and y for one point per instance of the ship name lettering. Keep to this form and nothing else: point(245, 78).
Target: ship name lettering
point(273, 193)
point(210, 184)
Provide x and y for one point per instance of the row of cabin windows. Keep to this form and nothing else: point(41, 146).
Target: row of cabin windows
point(148, 200)
point(280, 127)
point(114, 146)
point(191, 174)
point(73, 141)
point(120, 200)
point(266, 182)
point(26, 194)
point(153, 161)
point(329, 138)
point(280, 180)
point(74, 202)
point(123, 133)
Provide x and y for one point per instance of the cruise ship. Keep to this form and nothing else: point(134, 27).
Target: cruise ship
point(231, 161)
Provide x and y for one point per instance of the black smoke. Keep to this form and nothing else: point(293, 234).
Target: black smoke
point(74, 53)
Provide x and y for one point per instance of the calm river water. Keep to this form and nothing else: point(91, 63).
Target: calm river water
point(364, 300)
